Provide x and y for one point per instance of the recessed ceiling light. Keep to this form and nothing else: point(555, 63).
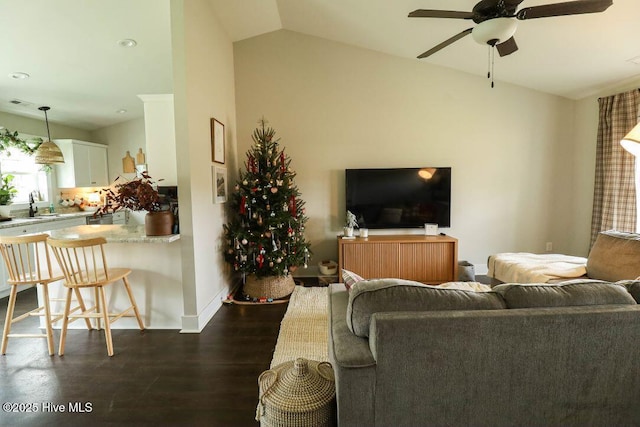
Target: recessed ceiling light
point(121, 111)
point(127, 43)
point(19, 75)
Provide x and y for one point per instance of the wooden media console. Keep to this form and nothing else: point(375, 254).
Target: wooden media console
point(427, 259)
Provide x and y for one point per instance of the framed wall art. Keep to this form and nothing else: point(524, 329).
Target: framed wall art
point(217, 141)
point(219, 184)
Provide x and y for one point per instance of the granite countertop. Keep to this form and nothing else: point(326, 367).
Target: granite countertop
point(40, 219)
point(113, 234)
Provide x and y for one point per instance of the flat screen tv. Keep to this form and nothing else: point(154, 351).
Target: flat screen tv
point(399, 197)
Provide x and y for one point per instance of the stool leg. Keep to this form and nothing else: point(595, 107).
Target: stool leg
point(7, 323)
point(83, 307)
point(99, 307)
point(133, 303)
point(107, 323)
point(47, 318)
point(65, 322)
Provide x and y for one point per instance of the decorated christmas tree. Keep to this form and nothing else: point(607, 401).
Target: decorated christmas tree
point(265, 238)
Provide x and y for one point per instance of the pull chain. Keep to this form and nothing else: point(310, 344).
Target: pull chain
point(493, 58)
point(491, 64)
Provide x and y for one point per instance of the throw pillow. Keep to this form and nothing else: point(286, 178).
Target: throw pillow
point(350, 278)
point(392, 295)
point(614, 256)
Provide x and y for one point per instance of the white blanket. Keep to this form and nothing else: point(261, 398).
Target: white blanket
point(524, 267)
point(466, 286)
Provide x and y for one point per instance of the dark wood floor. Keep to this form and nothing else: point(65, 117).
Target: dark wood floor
point(156, 377)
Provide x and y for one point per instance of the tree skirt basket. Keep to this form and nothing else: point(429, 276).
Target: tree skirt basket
point(297, 394)
point(269, 287)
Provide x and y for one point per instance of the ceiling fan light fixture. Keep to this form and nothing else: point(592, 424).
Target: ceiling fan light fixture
point(631, 142)
point(494, 31)
point(48, 152)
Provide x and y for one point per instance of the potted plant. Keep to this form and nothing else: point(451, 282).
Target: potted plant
point(7, 193)
point(139, 194)
point(349, 224)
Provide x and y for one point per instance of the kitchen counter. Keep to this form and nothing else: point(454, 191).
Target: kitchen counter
point(40, 219)
point(113, 234)
point(156, 278)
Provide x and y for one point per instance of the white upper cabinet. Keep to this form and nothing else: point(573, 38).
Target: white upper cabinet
point(85, 164)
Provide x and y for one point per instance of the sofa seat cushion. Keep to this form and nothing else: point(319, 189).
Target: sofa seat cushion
point(391, 295)
point(565, 294)
point(614, 256)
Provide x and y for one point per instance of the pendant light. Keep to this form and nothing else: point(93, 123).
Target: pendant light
point(48, 152)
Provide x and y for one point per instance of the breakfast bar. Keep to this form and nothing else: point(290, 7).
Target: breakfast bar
point(156, 278)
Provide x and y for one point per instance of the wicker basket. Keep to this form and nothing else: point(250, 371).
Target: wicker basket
point(269, 287)
point(297, 394)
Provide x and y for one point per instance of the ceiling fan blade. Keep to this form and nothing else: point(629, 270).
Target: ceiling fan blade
point(507, 47)
point(427, 13)
point(567, 8)
point(445, 43)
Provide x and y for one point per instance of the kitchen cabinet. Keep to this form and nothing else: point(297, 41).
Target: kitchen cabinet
point(85, 164)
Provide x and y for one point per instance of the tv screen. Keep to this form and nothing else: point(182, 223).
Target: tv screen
point(399, 198)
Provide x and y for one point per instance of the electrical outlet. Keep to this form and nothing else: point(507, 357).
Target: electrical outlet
point(549, 246)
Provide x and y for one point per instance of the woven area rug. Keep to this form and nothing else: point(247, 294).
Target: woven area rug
point(303, 331)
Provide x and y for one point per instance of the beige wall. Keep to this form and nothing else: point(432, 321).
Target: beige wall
point(123, 137)
point(335, 107)
point(38, 127)
point(203, 88)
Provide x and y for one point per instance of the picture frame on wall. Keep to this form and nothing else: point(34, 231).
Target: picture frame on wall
point(219, 184)
point(217, 141)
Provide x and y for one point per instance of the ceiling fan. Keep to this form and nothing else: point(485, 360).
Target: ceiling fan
point(496, 25)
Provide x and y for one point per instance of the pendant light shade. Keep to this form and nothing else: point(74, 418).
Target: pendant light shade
point(48, 152)
point(631, 142)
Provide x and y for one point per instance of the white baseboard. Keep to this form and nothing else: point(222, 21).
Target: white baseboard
point(196, 323)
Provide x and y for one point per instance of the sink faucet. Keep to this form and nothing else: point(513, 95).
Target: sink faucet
point(32, 212)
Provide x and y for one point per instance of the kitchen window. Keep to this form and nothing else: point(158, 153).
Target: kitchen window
point(28, 176)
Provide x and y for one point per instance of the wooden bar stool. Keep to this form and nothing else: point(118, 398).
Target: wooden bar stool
point(84, 265)
point(27, 261)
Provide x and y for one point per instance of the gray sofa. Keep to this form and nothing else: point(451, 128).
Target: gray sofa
point(405, 354)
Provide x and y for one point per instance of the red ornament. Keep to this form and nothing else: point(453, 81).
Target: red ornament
point(292, 205)
point(243, 205)
point(260, 257)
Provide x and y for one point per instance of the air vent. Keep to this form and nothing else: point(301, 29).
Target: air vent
point(21, 103)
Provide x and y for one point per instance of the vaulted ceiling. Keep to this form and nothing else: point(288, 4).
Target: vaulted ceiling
point(70, 47)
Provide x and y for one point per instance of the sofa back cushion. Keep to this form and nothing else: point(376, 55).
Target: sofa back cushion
point(386, 295)
point(571, 293)
point(633, 286)
point(614, 256)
